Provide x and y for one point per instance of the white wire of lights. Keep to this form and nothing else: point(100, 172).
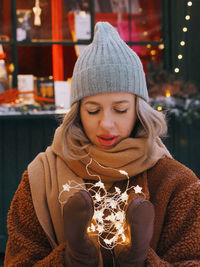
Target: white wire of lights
point(108, 222)
point(182, 43)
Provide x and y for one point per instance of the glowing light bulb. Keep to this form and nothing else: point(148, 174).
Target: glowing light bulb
point(153, 52)
point(138, 189)
point(161, 46)
point(123, 172)
point(100, 229)
point(120, 232)
point(118, 225)
point(180, 56)
point(189, 3)
point(117, 190)
point(100, 184)
point(98, 215)
point(168, 94)
point(176, 70)
point(159, 108)
point(185, 29)
point(113, 204)
point(182, 43)
point(107, 241)
point(124, 196)
point(123, 237)
point(187, 17)
point(120, 216)
point(98, 197)
point(66, 187)
point(91, 228)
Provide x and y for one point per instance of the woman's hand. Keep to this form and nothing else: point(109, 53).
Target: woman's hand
point(140, 219)
point(77, 214)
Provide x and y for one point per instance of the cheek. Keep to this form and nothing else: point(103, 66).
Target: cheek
point(83, 119)
point(85, 124)
point(127, 124)
point(88, 124)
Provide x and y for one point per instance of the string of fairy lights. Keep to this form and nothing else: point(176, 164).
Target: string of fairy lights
point(109, 219)
point(182, 43)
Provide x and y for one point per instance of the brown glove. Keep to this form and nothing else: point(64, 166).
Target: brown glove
point(140, 219)
point(77, 213)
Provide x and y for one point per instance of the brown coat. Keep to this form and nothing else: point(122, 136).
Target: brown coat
point(175, 193)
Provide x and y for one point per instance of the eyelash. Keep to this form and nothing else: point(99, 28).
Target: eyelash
point(116, 110)
point(121, 111)
point(93, 112)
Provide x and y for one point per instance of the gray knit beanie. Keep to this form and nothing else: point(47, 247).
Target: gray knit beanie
point(108, 64)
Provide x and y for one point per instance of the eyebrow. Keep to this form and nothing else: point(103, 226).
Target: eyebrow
point(116, 102)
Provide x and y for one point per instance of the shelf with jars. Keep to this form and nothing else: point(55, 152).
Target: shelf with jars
point(42, 40)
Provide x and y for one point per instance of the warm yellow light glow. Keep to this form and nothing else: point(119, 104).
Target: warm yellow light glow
point(168, 94)
point(91, 228)
point(153, 52)
point(176, 70)
point(161, 46)
point(148, 45)
point(123, 238)
point(159, 108)
point(185, 29)
point(189, 3)
point(182, 43)
point(109, 219)
point(187, 17)
point(145, 33)
point(11, 67)
point(180, 56)
point(69, 81)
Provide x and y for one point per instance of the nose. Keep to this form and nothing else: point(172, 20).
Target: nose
point(106, 121)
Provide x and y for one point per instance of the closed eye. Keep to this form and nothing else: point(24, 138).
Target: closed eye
point(93, 112)
point(121, 111)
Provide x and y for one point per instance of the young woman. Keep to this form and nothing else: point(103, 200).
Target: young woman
point(110, 134)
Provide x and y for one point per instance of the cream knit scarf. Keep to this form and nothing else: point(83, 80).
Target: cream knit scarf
point(49, 171)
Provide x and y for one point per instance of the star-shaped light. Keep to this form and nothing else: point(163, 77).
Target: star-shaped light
point(138, 189)
point(117, 190)
point(66, 187)
point(99, 184)
point(109, 208)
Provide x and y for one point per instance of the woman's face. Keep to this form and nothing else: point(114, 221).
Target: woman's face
point(108, 118)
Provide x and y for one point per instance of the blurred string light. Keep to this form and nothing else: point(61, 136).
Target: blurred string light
point(182, 43)
point(109, 219)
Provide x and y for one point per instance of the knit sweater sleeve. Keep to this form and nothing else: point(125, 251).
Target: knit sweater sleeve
point(179, 244)
point(27, 243)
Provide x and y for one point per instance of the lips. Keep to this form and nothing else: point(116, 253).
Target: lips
point(107, 139)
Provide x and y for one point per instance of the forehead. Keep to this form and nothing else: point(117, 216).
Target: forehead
point(110, 97)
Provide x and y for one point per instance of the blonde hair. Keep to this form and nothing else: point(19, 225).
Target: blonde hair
point(150, 124)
